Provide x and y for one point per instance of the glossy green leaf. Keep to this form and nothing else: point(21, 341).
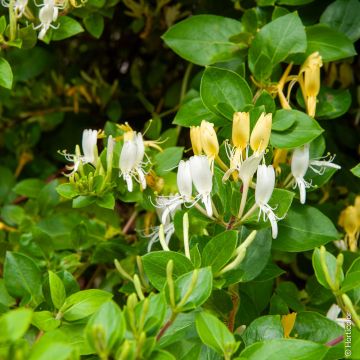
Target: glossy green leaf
point(284, 349)
point(67, 190)
point(219, 250)
point(29, 187)
point(352, 278)
point(22, 277)
point(67, 27)
point(215, 334)
point(275, 42)
point(303, 129)
point(83, 303)
point(14, 324)
point(356, 170)
point(6, 75)
point(304, 228)
point(204, 39)
point(343, 15)
point(57, 290)
point(155, 266)
point(224, 86)
point(193, 111)
point(45, 321)
point(94, 24)
point(168, 159)
point(330, 43)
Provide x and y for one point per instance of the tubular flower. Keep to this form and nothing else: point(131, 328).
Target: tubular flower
point(241, 130)
point(209, 141)
point(195, 137)
point(300, 163)
point(202, 178)
point(89, 140)
point(265, 184)
point(260, 135)
point(309, 78)
point(48, 13)
point(131, 160)
point(19, 6)
point(165, 209)
point(349, 221)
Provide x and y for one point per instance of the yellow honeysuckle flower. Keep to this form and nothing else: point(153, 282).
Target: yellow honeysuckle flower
point(260, 136)
point(209, 139)
point(309, 78)
point(348, 220)
point(241, 129)
point(195, 137)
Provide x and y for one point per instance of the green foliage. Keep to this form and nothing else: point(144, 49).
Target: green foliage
point(168, 181)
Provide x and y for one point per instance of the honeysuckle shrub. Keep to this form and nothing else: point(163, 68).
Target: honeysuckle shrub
point(179, 180)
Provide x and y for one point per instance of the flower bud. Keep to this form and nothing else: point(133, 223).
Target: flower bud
point(260, 135)
point(195, 137)
point(241, 129)
point(209, 139)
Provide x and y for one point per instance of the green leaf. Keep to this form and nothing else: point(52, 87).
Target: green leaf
point(57, 290)
point(193, 111)
point(293, 2)
point(224, 86)
point(12, 214)
point(308, 324)
point(106, 327)
point(330, 43)
point(204, 39)
point(356, 170)
point(83, 303)
point(6, 75)
point(45, 321)
point(263, 328)
point(270, 271)
point(215, 334)
point(330, 261)
point(201, 289)
point(2, 24)
point(22, 277)
point(68, 190)
point(50, 348)
point(304, 129)
point(275, 42)
point(14, 324)
point(67, 27)
point(284, 349)
point(304, 228)
point(155, 266)
point(343, 15)
point(106, 201)
point(29, 187)
point(168, 159)
point(219, 250)
point(83, 201)
point(94, 24)
point(352, 278)
point(257, 255)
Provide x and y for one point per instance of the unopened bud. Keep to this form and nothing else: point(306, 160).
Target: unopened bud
point(241, 129)
point(209, 139)
point(195, 137)
point(260, 135)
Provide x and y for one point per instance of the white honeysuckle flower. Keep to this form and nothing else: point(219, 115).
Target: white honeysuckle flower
point(48, 14)
point(265, 183)
point(333, 314)
point(184, 180)
point(89, 146)
point(19, 6)
point(202, 178)
point(301, 162)
point(131, 161)
point(299, 165)
point(165, 210)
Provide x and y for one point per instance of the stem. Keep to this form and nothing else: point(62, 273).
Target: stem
point(185, 81)
point(162, 238)
point(198, 207)
point(235, 301)
point(12, 18)
point(130, 222)
point(243, 199)
point(249, 213)
point(166, 326)
point(221, 163)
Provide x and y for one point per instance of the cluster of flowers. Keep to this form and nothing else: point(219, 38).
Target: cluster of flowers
point(195, 175)
point(48, 13)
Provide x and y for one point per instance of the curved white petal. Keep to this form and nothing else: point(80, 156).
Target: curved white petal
point(249, 167)
point(201, 174)
point(300, 161)
point(184, 181)
point(265, 184)
point(128, 155)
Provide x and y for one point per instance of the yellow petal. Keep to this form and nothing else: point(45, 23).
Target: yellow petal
point(260, 135)
point(195, 137)
point(241, 129)
point(209, 139)
point(288, 322)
